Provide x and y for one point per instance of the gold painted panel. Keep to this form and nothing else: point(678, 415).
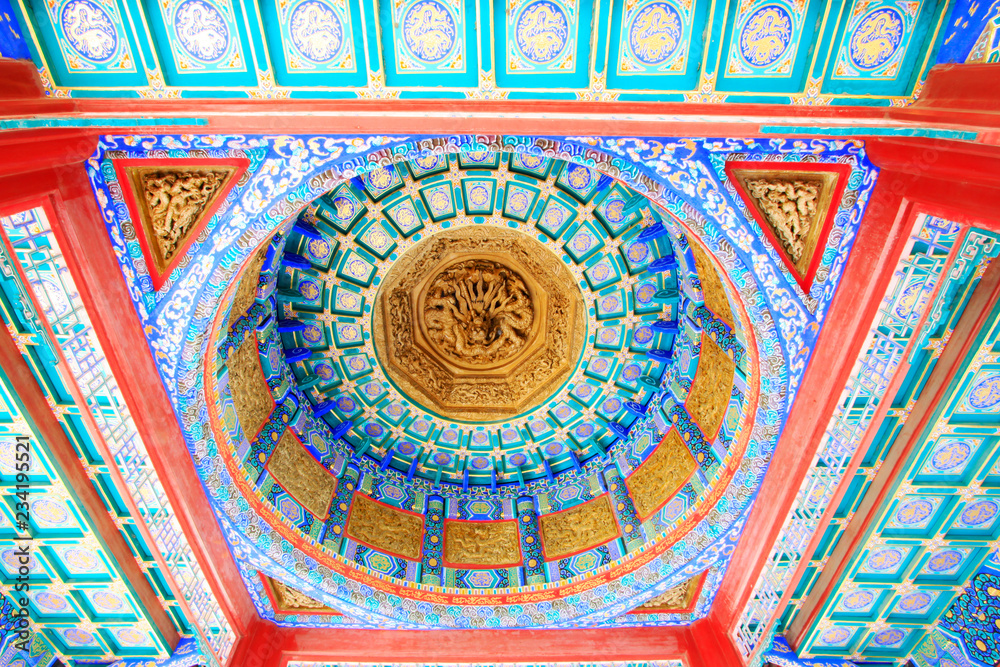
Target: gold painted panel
point(478, 543)
point(385, 528)
point(301, 475)
point(661, 475)
point(251, 396)
point(711, 285)
point(712, 387)
point(288, 600)
point(579, 528)
point(246, 291)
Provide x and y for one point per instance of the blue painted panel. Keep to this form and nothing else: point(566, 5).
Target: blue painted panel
point(12, 43)
point(310, 40)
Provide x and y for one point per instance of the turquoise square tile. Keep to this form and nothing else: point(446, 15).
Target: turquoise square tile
point(377, 240)
point(404, 216)
point(382, 180)
point(945, 562)
point(450, 437)
point(479, 195)
point(355, 365)
point(394, 413)
point(357, 269)
point(347, 334)
point(643, 293)
point(610, 212)
point(519, 201)
point(637, 256)
point(310, 289)
point(578, 181)
point(885, 562)
point(642, 338)
point(609, 338)
point(479, 160)
point(540, 429)
point(600, 368)
point(534, 165)
point(585, 393)
point(320, 252)
point(420, 429)
point(327, 371)
point(340, 209)
point(439, 200)
point(610, 407)
point(314, 336)
point(510, 437)
point(372, 392)
point(583, 243)
point(914, 513)
point(427, 165)
point(582, 432)
point(481, 440)
point(555, 217)
point(345, 302)
point(564, 413)
point(859, 602)
point(346, 407)
point(602, 274)
point(628, 376)
point(611, 305)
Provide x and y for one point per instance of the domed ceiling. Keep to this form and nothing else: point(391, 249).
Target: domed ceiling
point(495, 372)
point(486, 386)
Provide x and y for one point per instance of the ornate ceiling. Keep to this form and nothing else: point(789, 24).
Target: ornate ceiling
point(780, 51)
point(446, 383)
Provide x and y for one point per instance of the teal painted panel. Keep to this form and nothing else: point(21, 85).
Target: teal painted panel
point(768, 45)
point(542, 43)
point(655, 44)
point(87, 42)
point(430, 43)
point(315, 42)
point(879, 46)
point(201, 42)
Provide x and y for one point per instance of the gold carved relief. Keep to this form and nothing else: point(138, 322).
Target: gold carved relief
point(790, 207)
point(479, 322)
point(579, 528)
point(292, 601)
point(793, 206)
point(711, 285)
point(478, 543)
point(172, 202)
point(246, 291)
point(251, 396)
point(301, 475)
point(478, 311)
point(385, 528)
point(712, 387)
point(661, 475)
point(676, 599)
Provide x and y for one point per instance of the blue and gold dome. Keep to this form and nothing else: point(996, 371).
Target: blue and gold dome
point(502, 378)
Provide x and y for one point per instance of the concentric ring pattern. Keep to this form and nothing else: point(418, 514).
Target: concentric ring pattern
point(585, 483)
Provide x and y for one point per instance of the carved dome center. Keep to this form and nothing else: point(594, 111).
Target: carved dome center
point(479, 323)
point(478, 312)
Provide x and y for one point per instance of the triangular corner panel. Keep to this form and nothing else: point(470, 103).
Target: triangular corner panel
point(171, 200)
point(795, 204)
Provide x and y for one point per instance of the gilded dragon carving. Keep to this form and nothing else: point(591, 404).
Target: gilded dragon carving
point(790, 206)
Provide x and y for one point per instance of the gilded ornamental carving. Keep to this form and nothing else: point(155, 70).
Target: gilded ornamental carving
point(252, 397)
point(301, 475)
point(661, 475)
point(712, 387)
point(579, 528)
point(481, 543)
point(385, 528)
point(479, 322)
